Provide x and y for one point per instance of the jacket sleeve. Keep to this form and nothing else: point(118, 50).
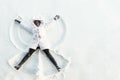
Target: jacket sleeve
point(26, 26)
point(48, 21)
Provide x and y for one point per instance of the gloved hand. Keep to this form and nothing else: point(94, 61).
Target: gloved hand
point(56, 17)
point(18, 19)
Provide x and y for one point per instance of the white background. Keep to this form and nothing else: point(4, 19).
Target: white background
point(92, 40)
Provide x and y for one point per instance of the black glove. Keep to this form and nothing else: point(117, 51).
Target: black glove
point(56, 17)
point(17, 21)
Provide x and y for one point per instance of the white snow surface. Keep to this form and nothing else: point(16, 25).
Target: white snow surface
point(92, 39)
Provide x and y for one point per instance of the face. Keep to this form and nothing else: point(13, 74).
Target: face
point(37, 22)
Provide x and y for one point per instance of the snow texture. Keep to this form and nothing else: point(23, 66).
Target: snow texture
point(92, 39)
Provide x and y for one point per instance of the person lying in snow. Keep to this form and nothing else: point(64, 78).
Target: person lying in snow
point(39, 40)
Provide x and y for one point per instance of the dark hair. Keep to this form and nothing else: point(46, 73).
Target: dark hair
point(37, 20)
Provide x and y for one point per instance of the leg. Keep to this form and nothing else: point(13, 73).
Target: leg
point(51, 58)
point(25, 58)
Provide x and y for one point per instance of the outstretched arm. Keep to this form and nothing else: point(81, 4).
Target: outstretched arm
point(52, 19)
point(23, 24)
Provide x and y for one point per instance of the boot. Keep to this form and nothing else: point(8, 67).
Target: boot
point(58, 68)
point(17, 67)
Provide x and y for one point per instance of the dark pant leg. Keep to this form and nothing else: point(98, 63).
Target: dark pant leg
point(46, 51)
point(30, 52)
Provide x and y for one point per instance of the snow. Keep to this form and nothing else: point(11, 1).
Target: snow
point(92, 37)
